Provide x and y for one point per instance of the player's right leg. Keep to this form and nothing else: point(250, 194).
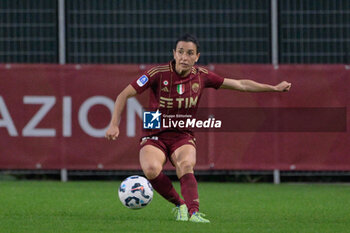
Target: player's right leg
point(152, 160)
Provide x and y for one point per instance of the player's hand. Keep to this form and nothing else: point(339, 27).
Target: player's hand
point(112, 132)
point(283, 86)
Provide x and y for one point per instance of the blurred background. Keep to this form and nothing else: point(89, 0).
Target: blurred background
point(85, 41)
point(133, 31)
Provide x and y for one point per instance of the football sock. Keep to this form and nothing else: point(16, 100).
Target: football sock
point(162, 184)
point(190, 192)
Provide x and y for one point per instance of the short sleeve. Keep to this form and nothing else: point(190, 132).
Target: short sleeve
point(142, 83)
point(213, 80)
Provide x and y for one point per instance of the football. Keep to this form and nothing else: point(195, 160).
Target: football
point(135, 192)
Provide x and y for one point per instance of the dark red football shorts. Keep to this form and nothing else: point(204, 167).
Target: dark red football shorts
point(168, 141)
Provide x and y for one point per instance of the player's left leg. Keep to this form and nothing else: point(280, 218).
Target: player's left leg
point(184, 160)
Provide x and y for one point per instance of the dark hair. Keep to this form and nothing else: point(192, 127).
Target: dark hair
point(188, 38)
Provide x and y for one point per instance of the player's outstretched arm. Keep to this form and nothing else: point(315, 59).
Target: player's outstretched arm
point(113, 129)
point(252, 86)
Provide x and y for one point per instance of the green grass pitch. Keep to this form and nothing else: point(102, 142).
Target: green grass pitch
point(49, 206)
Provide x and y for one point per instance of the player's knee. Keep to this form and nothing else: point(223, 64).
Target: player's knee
point(186, 167)
point(151, 171)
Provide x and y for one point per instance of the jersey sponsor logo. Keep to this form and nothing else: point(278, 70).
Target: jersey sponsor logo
point(195, 87)
point(179, 103)
point(165, 82)
point(180, 89)
point(142, 80)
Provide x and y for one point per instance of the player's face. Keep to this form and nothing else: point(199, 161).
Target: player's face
point(185, 57)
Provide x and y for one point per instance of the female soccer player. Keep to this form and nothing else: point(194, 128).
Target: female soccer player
point(176, 87)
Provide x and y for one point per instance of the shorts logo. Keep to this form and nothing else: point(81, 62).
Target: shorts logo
point(180, 89)
point(142, 80)
point(143, 142)
point(151, 120)
point(192, 142)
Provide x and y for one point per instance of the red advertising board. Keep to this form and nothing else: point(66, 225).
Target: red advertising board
point(54, 117)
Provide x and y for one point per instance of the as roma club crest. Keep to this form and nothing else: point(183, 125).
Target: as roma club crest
point(180, 89)
point(195, 87)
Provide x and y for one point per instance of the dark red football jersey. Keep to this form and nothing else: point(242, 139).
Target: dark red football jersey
point(173, 94)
